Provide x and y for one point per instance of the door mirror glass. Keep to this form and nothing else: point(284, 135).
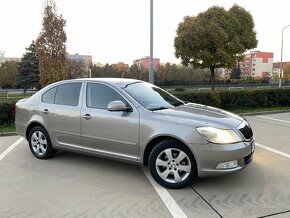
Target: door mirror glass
point(118, 106)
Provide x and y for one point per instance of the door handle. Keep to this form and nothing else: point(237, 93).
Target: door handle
point(45, 111)
point(87, 116)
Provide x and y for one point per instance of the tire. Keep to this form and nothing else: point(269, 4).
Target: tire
point(40, 144)
point(172, 164)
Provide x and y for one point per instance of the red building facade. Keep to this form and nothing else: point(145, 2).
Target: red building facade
point(257, 65)
point(144, 63)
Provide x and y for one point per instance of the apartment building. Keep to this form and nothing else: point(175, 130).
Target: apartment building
point(4, 59)
point(143, 63)
point(277, 67)
point(121, 66)
point(257, 65)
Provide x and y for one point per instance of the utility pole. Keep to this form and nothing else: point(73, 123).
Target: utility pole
point(281, 63)
point(151, 65)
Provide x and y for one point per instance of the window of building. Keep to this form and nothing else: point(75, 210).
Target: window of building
point(254, 64)
point(68, 94)
point(254, 59)
point(48, 96)
point(99, 96)
point(253, 74)
point(254, 69)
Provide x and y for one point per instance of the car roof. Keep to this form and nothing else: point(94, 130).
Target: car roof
point(121, 82)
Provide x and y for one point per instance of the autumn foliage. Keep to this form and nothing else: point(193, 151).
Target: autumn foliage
point(51, 46)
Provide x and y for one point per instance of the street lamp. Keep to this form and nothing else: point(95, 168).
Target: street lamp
point(151, 65)
point(281, 64)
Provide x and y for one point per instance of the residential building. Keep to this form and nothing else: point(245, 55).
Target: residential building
point(121, 66)
point(144, 63)
point(257, 65)
point(3, 58)
point(86, 59)
point(99, 64)
point(277, 67)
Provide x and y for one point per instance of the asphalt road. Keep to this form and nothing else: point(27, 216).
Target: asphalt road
point(73, 185)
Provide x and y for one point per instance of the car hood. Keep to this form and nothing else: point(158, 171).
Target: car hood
point(203, 115)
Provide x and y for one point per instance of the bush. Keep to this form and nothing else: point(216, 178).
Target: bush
point(7, 115)
point(239, 99)
point(179, 89)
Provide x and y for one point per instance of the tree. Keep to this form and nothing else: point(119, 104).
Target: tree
point(29, 69)
point(135, 72)
point(236, 72)
point(51, 46)
point(286, 70)
point(76, 69)
point(8, 73)
point(215, 38)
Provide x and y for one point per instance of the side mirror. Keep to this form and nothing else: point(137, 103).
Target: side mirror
point(118, 106)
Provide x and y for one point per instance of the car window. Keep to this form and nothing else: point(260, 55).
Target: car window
point(99, 96)
point(151, 97)
point(48, 96)
point(68, 94)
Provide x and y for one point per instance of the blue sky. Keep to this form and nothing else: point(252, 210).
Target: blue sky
point(118, 30)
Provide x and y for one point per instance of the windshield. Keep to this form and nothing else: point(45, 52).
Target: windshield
point(152, 97)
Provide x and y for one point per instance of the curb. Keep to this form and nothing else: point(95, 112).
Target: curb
point(263, 112)
point(8, 134)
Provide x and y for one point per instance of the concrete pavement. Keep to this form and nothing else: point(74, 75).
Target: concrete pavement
point(74, 185)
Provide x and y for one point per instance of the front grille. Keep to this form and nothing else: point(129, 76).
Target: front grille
point(248, 159)
point(246, 131)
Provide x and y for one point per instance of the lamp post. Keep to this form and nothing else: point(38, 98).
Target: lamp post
point(151, 64)
point(281, 64)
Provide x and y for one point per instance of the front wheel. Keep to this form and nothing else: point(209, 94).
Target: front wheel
point(172, 164)
point(40, 144)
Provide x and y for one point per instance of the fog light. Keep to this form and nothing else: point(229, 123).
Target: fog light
point(227, 165)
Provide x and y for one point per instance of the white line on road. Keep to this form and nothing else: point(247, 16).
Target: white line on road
point(10, 148)
point(273, 150)
point(169, 202)
point(270, 118)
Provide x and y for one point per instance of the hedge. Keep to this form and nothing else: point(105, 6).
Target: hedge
point(221, 99)
point(7, 113)
point(238, 99)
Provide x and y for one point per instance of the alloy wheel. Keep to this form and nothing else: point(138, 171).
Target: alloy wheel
point(173, 165)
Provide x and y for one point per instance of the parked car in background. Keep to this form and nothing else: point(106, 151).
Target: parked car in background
point(138, 122)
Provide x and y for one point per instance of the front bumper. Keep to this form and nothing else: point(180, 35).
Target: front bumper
point(209, 156)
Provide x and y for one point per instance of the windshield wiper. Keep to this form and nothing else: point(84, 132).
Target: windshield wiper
point(130, 84)
point(158, 108)
point(178, 104)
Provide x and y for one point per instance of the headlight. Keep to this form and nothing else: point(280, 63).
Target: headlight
point(219, 136)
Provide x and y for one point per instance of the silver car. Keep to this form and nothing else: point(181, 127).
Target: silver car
point(138, 122)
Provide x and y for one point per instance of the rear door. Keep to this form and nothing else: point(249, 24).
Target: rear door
point(60, 109)
point(114, 134)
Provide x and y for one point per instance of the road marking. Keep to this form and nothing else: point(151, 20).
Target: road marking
point(10, 148)
point(273, 150)
point(270, 118)
point(169, 202)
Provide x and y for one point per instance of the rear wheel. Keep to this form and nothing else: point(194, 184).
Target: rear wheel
point(40, 144)
point(172, 164)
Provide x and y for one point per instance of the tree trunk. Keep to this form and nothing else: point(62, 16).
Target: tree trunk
point(212, 67)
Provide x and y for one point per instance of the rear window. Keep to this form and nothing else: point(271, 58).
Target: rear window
point(68, 94)
point(48, 96)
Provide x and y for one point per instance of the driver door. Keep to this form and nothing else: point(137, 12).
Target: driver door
point(114, 134)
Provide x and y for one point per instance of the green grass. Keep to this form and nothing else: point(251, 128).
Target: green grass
point(8, 128)
point(14, 97)
point(251, 110)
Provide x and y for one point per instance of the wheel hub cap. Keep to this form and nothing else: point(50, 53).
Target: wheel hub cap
point(173, 165)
